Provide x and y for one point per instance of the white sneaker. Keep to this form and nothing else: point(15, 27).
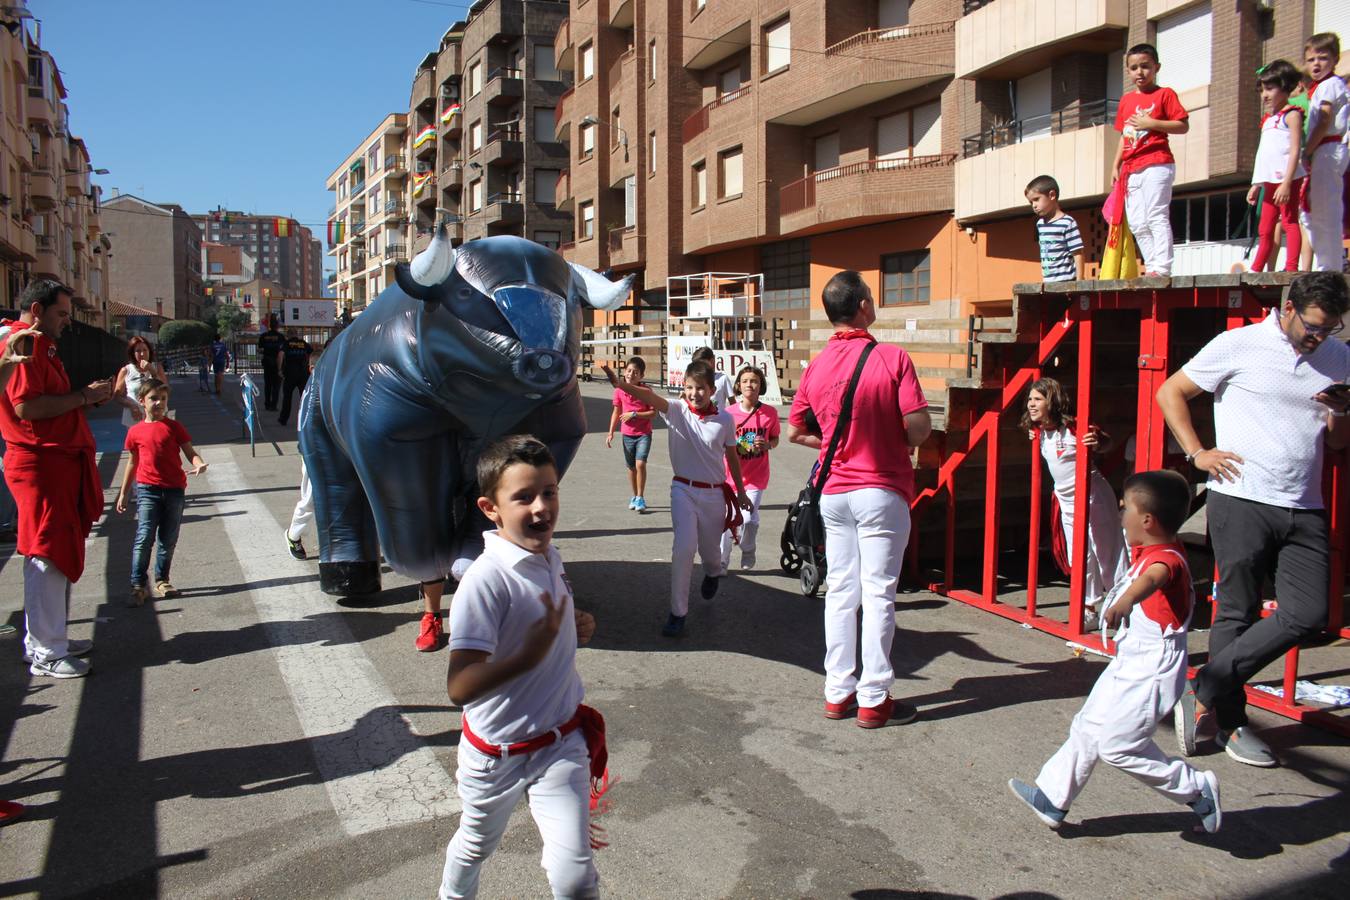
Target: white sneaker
point(1091, 621)
point(747, 560)
point(65, 667)
point(74, 647)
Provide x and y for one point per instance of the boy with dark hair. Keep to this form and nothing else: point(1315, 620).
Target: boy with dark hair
point(1056, 231)
point(1147, 675)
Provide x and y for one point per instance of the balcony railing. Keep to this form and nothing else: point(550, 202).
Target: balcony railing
point(801, 194)
point(396, 249)
point(504, 72)
point(395, 164)
point(44, 241)
point(393, 208)
point(617, 235)
point(881, 35)
point(1084, 115)
point(505, 197)
point(505, 133)
point(698, 122)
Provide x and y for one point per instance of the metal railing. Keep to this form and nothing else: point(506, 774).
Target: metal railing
point(505, 197)
point(395, 164)
point(801, 194)
point(1074, 118)
point(698, 122)
point(881, 35)
point(617, 236)
point(504, 72)
point(505, 133)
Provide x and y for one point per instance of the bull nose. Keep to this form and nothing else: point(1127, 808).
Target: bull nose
point(543, 369)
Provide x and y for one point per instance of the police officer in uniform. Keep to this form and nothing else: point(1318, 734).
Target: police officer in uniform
point(270, 345)
point(294, 364)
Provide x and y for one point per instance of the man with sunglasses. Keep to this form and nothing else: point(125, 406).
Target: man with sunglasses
point(1273, 412)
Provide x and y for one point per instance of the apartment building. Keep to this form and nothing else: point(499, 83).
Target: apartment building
point(294, 260)
point(368, 223)
point(158, 263)
point(226, 264)
point(798, 138)
point(50, 219)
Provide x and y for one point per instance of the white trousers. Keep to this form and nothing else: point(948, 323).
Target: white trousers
point(749, 529)
point(46, 605)
point(1326, 202)
point(697, 516)
point(1116, 724)
point(866, 532)
point(557, 781)
point(303, 516)
point(1148, 204)
point(1107, 556)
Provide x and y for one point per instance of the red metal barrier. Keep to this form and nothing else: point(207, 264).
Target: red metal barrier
point(1156, 308)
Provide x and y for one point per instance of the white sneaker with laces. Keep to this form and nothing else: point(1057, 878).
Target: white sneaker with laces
point(65, 667)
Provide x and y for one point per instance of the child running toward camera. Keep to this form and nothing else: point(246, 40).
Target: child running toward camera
point(634, 419)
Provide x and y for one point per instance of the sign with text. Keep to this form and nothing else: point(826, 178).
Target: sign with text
point(680, 352)
point(308, 313)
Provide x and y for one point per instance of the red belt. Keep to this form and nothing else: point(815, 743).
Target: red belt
point(499, 751)
point(698, 484)
point(1330, 139)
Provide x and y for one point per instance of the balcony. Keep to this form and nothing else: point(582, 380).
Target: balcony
point(698, 122)
point(424, 144)
point(77, 182)
point(396, 251)
point(560, 115)
point(1074, 118)
point(358, 263)
point(357, 187)
point(564, 54)
point(452, 118)
point(424, 87)
point(621, 13)
point(505, 86)
point(41, 115)
point(991, 181)
point(1011, 38)
point(717, 31)
point(452, 169)
point(47, 264)
point(870, 190)
point(505, 208)
point(424, 187)
point(499, 22)
point(42, 187)
point(562, 194)
point(625, 246)
point(393, 209)
point(504, 147)
point(394, 167)
point(868, 67)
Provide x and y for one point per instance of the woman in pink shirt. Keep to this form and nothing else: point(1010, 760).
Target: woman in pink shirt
point(635, 420)
point(757, 432)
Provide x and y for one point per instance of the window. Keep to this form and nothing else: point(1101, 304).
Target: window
point(698, 195)
point(545, 186)
point(630, 201)
point(475, 78)
point(826, 154)
point(544, 70)
point(475, 195)
point(1032, 95)
point(587, 224)
point(587, 68)
point(905, 278)
point(777, 44)
point(587, 140)
point(217, 268)
point(1183, 39)
point(914, 132)
point(729, 81)
point(544, 126)
point(787, 274)
point(651, 153)
point(1211, 217)
point(892, 13)
point(651, 60)
point(550, 239)
point(729, 173)
point(476, 136)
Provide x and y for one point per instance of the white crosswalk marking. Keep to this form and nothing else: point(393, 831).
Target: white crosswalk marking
point(377, 772)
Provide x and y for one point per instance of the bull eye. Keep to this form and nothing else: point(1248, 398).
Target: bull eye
point(466, 293)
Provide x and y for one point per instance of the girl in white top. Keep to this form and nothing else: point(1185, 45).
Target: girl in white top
point(140, 366)
point(702, 448)
point(1278, 170)
point(1048, 422)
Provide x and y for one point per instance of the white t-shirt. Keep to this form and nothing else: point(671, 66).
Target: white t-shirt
point(495, 605)
point(698, 443)
point(1332, 91)
point(1272, 154)
point(1264, 411)
point(722, 390)
point(1059, 449)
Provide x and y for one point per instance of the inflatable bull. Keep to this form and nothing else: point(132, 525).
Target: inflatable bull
point(468, 345)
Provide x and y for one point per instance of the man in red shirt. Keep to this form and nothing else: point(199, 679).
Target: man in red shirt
point(49, 466)
point(865, 502)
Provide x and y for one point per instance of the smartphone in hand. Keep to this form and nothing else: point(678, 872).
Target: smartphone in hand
point(1337, 392)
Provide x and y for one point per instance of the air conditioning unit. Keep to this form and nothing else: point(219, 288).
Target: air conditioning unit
point(450, 92)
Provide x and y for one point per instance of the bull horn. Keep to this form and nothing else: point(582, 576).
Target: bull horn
point(598, 291)
point(434, 264)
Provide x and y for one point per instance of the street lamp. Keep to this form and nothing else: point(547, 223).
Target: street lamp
point(623, 135)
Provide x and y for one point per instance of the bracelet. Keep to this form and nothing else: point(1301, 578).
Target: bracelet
point(1190, 457)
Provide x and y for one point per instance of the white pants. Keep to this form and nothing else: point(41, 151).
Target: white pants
point(303, 516)
point(46, 605)
point(1326, 202)
point(1148, 204)
point(866, 532)
point(1116, 724)
point(749, 529)
point(1107, 557)
point(697, 516)
point(557, 781)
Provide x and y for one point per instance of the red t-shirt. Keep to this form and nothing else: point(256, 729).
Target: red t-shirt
point(1171, 605)
point(43, 374)
point(157, 446)
point(761, 421)
point(874, 453)
point(1147, 148)
point(628, 403)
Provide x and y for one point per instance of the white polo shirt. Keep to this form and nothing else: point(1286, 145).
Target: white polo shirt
point(697, 443)
point(494, 607)
point(723, 390)
point(1264, 411)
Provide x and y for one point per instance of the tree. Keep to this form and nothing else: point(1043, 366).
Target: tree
point(226, 319)
point(185, 333)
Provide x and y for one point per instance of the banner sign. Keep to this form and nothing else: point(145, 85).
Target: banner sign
point(680, 352)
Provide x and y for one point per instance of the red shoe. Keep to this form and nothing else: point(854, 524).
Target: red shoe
point(429, 637)
point(843, 708)
point(9, 811)
point(888, 712)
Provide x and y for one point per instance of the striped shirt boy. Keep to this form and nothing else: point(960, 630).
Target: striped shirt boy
point(1059, 240)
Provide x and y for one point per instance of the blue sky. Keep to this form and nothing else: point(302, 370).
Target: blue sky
point(238, 103)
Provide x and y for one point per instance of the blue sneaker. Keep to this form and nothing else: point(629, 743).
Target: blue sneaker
point(674, 626)
point(640, 504)
point(1043, 808)
point(1206, 806)
point(632, 503)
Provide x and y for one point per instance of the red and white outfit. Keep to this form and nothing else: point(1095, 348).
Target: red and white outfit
point(1272, 161)
point(1324, 195)
point(1149, 169)
point(698, 505)
point(1106, 559)
point(762, 421)
point(50, 469)
point(1135, 691)
point(864, 506)
point(495, 606)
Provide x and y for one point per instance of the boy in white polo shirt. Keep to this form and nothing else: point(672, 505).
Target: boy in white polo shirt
point(514, 635)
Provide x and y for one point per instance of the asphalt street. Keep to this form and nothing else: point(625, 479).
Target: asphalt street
point(253, 738)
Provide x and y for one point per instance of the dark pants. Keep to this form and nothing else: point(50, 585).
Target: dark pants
point(158, 510)
point(294, 381)
point(271, 386)
point(1251, 542)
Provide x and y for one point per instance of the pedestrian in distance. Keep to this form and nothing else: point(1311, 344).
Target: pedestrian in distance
point(515, 631)
point(154, 445)
point(1057, 233)
point(1324, 154)
point(1152, 608)
point(270, 343)
point(220, 359)
point(702, 447)
point(1277, 178)
point(140, 366)
point(204, 371)
point(757, 432)
point(294, 362)
point(633, 418)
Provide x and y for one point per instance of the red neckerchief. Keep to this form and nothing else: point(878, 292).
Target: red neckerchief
point(711, 411)
point(852, 334)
